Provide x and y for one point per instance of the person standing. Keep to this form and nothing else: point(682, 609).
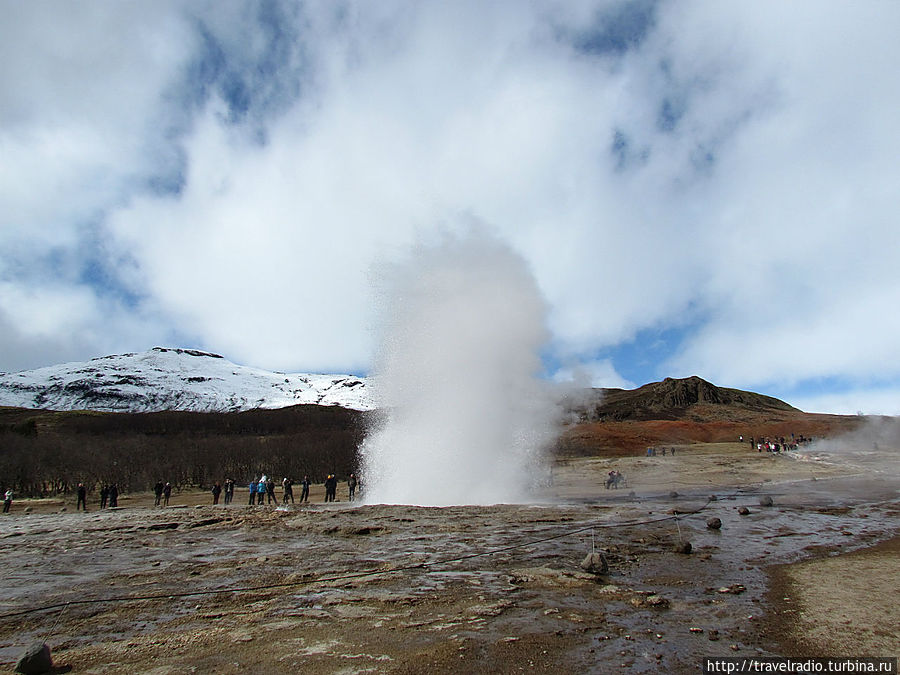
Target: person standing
point(158, 490)
point(351, 486)
point(167, 492)
point(216, 491)
point(252, 488)
point(270, 491)
point(330, 487)
point(304, 491)
point(82, 498)
point(261, 489)
point(7, 500)
point(104, 495)
point(287, 490)
point(113, 496)
point(229, 491)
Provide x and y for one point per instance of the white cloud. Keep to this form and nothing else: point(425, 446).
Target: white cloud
point(599, 374)
point(80, 98)
point(733, 171)
point(869, 401)
point(804, 211)
point(56, 323)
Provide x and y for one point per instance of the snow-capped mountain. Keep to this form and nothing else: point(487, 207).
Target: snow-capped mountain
point(175, 379)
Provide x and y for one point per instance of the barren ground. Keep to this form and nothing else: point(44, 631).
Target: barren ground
point(350, 588)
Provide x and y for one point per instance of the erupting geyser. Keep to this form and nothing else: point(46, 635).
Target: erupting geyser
point(465, 417)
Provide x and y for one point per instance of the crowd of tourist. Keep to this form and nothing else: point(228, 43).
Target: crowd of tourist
point(261, 490)
point(777, 444)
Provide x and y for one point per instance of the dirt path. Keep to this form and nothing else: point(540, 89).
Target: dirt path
point(394, 589)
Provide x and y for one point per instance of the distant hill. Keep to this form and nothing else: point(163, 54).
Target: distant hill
point(164, 379)
point(674, 399)
point(682, 411)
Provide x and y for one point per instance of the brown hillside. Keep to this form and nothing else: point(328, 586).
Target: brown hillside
point(679, 411)
point(674, 399)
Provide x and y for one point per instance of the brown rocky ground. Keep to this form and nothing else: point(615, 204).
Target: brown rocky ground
point(351, 588)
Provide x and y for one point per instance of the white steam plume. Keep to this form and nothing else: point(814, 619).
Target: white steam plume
point(465, 416)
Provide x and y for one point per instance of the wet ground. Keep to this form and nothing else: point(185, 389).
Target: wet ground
point(355, 588)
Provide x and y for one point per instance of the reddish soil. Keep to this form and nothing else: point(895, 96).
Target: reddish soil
point(701, 424)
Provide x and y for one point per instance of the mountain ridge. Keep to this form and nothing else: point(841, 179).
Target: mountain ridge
point(178, 379)
point(165, 378)
point(672, 399)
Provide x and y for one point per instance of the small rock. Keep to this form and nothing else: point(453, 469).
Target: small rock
point(714, 524)
point(595, 563)
point(36, 660)
point(734, 589)
point(766, 501)
point(657, 601)
point(673, 494)
point(744, 511)
point(713, 635)
point(683, 547)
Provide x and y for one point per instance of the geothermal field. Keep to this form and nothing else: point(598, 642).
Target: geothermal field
point(347, 587)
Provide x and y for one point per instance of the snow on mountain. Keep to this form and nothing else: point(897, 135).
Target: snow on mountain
point(175, 379)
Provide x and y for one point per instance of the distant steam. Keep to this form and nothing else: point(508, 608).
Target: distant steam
point(465, 417)
point(874, 446)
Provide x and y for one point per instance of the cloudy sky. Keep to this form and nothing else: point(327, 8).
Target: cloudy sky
point(698, 187)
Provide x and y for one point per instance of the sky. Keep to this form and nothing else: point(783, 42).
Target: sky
point(698, 188)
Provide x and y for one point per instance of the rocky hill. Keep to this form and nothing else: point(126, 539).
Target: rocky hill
point(175, 379)
point(683, 411)
point(674, 399)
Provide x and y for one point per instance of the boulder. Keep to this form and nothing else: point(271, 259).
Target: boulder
point(595, 563)
point(36, 660)
point(683, 547)
point(766, 500)
point(714, 524)
point(744, 511)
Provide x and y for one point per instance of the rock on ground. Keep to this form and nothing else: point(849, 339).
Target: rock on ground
point(36, 660)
